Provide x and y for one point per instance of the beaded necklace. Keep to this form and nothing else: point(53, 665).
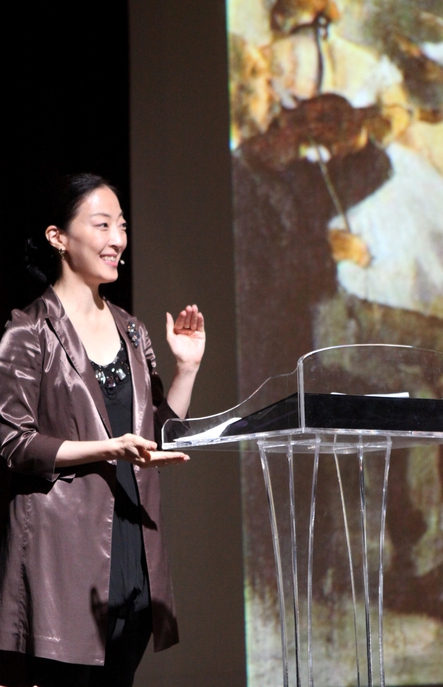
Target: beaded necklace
point(109, 376)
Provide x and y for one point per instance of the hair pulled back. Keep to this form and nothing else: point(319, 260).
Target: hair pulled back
point(59, 205)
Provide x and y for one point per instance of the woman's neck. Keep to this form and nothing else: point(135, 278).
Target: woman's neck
point(91, 319)
point(79, 298)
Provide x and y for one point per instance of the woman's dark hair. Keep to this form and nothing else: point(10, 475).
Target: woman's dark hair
point(59, 205)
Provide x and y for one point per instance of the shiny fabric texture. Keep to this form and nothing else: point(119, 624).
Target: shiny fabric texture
point(55, 552)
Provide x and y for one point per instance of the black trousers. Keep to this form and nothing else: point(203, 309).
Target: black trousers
point(127, 640)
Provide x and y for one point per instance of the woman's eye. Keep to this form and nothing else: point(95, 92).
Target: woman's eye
point(124, 226)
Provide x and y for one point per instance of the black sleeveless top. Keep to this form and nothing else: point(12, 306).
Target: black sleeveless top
point(128, 564)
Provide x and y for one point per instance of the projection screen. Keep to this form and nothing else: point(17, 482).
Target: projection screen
point(337, 163)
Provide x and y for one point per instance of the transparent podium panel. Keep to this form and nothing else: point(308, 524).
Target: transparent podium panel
point(355, 391)
point(326, 435)
point(396, 389)
point(271, 409)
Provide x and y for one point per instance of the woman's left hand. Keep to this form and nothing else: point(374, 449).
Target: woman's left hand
point(186, 336)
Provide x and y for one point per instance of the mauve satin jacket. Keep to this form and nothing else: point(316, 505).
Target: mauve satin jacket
point(55, 555)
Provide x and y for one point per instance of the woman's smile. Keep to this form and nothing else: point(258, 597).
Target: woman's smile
point(111, 260)
point(95, 240)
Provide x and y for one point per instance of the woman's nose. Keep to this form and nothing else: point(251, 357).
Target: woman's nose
point(118, 237)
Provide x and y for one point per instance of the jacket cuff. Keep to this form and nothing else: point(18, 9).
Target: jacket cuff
point(163, 412)
point(41, 452)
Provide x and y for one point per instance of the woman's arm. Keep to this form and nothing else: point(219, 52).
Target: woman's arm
point(129, 447)
point(22, 444)
point(186, 338)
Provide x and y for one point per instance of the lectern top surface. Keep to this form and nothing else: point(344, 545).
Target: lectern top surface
point(340, 396)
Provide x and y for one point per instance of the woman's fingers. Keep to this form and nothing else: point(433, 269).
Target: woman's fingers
point(188, 321)
point(191, 317)
point(131, 446)
point(141, 445)
point(162, 458)
point(200, 322)
point(142, 452)
point(180, 322)
point(187, 318)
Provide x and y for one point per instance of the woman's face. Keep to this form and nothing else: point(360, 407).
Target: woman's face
point(96, 238)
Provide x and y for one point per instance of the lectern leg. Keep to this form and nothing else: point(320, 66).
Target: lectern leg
point(305, 534)
point(381, 561)
point(278, 562)
point(364, 536)
point(279, 566)
point(294, 563)
point(369, 647)
point(351, 565)
point(311, 559)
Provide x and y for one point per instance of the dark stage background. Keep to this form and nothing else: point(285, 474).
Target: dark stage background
point(151, 114)
point(66, 101)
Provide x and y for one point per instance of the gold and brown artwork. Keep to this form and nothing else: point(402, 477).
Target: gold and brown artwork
point(337, 163)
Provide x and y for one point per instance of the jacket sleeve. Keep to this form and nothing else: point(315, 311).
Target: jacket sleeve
point(162, 410)
point(21, 445)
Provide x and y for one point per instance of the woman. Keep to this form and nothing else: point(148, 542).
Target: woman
point(84, 576)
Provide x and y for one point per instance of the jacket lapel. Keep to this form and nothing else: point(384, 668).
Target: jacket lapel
point(140, 382)
point(70, 341)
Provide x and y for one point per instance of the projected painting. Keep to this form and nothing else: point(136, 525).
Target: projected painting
point(337, 158)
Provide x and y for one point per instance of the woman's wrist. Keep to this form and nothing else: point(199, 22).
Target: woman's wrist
point(186, 369)
point(179, 395)
point(73, 453)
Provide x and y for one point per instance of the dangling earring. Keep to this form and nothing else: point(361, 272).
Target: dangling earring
point(61, 252)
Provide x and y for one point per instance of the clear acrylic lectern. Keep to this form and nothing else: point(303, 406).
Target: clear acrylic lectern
point(348, 406)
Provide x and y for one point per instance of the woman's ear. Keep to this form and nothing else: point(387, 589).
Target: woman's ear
point(55, 237)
